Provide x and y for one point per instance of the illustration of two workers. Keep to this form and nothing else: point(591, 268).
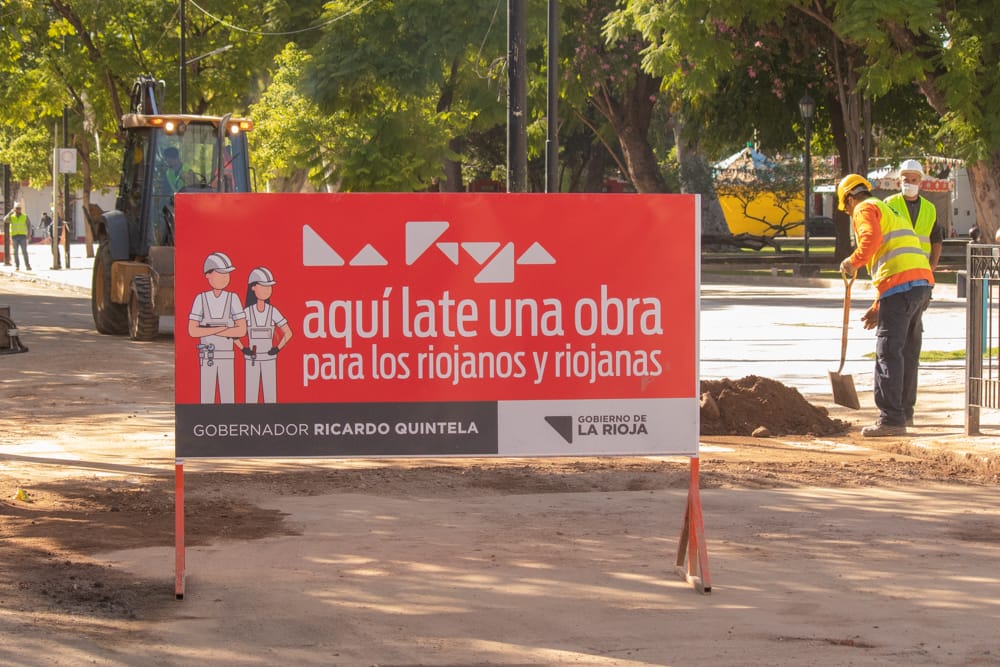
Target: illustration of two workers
point(220, 322)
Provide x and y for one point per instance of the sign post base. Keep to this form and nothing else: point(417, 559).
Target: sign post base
point(179, 572)
point(692, 553)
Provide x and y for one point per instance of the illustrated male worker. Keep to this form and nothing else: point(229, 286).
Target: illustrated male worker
point(917, 210)
point(216, 320)
point(901, 273)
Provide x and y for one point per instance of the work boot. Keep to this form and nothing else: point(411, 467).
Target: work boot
point(881, 430)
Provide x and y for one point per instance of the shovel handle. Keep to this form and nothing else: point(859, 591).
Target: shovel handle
point(847, 317)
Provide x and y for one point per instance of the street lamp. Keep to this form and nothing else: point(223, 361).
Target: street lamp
point(807, 107)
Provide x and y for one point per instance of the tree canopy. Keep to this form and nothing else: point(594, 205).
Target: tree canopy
point(410, 94)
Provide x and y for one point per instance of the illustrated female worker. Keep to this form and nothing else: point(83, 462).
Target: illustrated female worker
point(261, 352)
point(216, 320)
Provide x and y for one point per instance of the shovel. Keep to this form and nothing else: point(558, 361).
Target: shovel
point(843, 385)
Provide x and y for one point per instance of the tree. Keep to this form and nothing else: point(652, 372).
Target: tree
point(606, 69)
point(870, 53)
point(291, 139)
point(407, 80)
point(84, 55)
point(950, 50)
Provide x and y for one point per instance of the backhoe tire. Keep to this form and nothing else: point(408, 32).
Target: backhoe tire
point(109, 317)
point(143, 322)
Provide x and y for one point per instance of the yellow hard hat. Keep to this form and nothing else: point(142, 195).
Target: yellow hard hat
point(847, 184)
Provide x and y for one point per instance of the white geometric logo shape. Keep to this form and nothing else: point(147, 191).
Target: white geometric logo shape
point(369, 256)
point(316, 251)
point(500, 269)
point(420, 236)
point(536, 254)
point(450, 250)
point(480, 250)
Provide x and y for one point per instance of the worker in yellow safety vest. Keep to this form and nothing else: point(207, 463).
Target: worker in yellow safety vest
point(19, 226)
point(917, 210)
point(901, 272)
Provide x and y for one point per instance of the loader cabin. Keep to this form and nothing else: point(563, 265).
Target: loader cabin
point(170, 153)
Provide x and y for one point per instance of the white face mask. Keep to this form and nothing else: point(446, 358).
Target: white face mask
point(910, 189)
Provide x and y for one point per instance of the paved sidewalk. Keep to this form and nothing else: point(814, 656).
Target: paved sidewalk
point(77, 277)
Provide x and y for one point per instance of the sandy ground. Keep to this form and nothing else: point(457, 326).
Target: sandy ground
point(822, 550)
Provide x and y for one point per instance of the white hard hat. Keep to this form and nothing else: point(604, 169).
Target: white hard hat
point(262, 276)
point(218, 261)
point(911, 166)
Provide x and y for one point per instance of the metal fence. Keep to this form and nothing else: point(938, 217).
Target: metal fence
point(982, 332)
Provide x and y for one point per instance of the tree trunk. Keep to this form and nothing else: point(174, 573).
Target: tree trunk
point(453, 169)
point(639, 159)
point(984, 181)
point(84, 147)
point(593, 171)
point(630, 117)
point(633, 134)
point(851, 139)
point(696, 177)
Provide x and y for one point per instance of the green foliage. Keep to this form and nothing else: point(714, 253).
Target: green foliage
point(405, 80)
point(290, 133)
point(83, 55)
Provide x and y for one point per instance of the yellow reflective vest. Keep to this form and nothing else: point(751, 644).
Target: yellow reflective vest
point(900, 258)
point(926, 217)
point(19, 224)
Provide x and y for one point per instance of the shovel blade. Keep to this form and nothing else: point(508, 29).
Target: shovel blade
point(843, 391)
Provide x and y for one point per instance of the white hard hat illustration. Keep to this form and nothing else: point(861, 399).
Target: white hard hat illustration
point(262, 276)
point(218, 261)
point(911, 166)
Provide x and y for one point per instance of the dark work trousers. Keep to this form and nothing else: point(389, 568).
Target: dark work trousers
point(20, 241)
point(899, 336)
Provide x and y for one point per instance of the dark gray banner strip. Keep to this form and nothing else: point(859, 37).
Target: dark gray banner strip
point(336, 429)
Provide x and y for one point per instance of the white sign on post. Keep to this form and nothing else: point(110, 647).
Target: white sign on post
point(66, 159)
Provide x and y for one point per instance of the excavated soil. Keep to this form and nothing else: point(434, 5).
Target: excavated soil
point(761, 407)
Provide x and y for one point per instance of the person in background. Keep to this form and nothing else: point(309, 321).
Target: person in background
point(19, 226)
point(974, 234)
point(918, 211)
point(901, 272)
point(46, 224)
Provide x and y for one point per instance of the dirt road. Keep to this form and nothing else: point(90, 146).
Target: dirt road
point(823, 551)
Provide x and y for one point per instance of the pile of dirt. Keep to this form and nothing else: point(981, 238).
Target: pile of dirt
point(761, 407)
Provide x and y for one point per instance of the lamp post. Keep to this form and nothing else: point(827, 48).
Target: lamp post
point(807, 107)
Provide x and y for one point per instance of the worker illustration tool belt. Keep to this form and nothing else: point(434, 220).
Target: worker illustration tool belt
point(206, 354)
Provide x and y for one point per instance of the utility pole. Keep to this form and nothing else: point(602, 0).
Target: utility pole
point(56, 213)
point(552, 113)
point(517, 97)
point(183, 63)
point(6, 209)
point(67, 201)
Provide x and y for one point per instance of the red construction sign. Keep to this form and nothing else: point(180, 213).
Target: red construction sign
point(436, 324)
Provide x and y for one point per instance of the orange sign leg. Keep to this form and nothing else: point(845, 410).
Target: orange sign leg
point(179, 529)
point(692, 554)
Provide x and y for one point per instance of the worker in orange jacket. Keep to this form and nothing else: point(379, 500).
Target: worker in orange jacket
point(901, 272)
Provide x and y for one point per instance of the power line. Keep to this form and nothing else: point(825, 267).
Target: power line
point(280, 34)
